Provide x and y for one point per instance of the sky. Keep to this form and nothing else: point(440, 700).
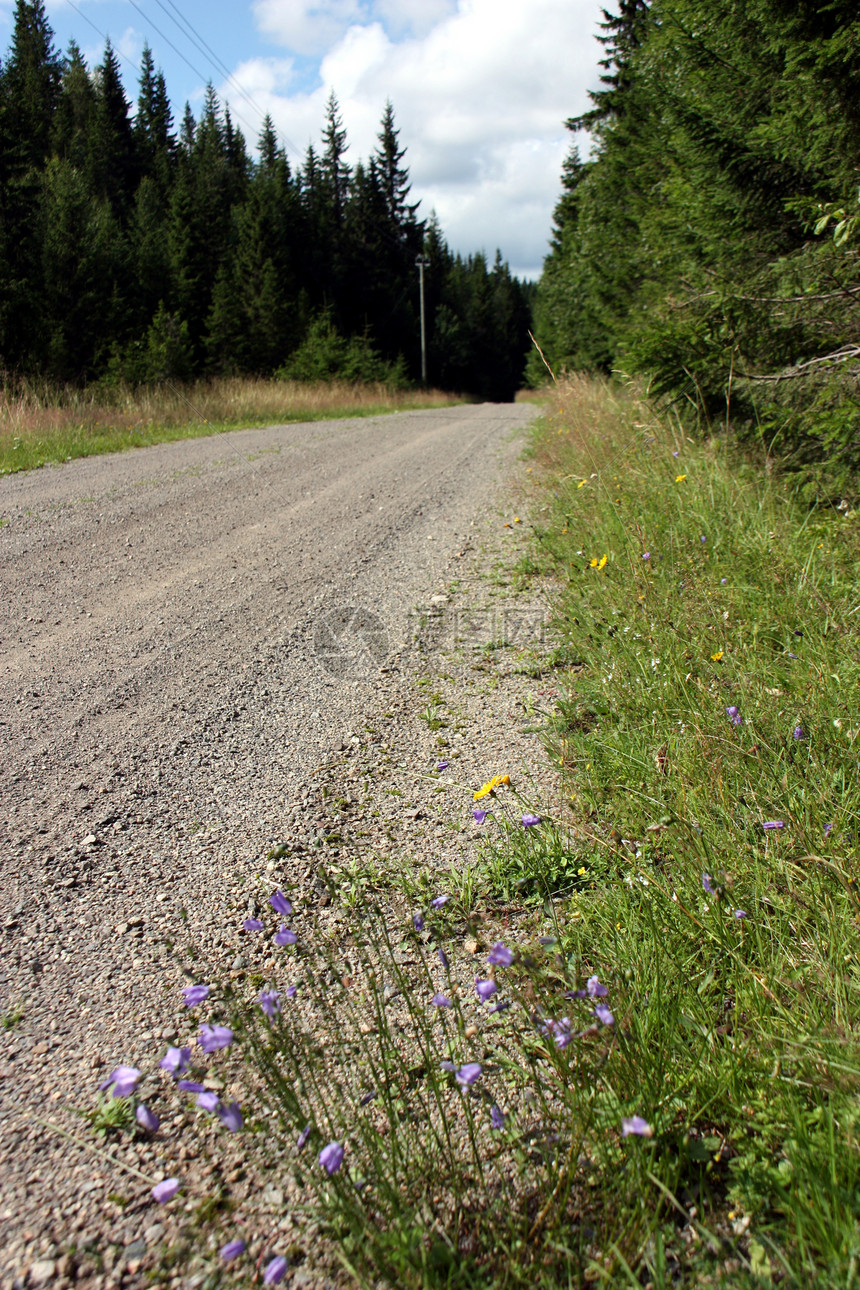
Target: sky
point(480, 89)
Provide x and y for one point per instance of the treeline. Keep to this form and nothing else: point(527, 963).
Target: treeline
point(132, 250)
point(712, 240)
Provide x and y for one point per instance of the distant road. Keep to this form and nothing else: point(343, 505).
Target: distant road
point(168, 676)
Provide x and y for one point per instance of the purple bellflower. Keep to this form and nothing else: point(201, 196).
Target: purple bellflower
point(165, 1191)
point(500, 955)
point(194, 994)
point(214, 1037)
point(280, 904)
point(331, 1157)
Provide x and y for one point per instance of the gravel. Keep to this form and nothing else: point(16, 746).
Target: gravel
point(186, 685)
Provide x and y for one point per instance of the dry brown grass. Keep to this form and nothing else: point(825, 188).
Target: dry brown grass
point(39, 424)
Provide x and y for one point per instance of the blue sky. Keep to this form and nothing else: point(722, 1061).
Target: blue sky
point(480, 88)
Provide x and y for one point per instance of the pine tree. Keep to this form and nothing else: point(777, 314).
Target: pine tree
point(114, 160)
point(153, 123)
point(31, 83)
point(334, 170)
point(393, 177)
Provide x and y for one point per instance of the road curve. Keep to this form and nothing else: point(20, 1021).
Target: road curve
point(169, 674)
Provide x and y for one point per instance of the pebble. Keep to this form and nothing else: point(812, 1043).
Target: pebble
point(42, 1272)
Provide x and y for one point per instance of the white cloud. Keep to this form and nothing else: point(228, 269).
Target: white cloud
point(480, 91)
point(306, 27)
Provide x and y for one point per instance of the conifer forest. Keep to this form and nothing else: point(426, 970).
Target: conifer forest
point(711, 239)
point(136, 248)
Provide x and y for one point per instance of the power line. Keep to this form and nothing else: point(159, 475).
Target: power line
point(205, 49)
point(194, 69)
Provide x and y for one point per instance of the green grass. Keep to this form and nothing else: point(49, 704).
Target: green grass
point(39, 426)
point(741, 1032)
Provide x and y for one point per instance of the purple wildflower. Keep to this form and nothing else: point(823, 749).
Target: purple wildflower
point(707, 884)
point(443, 957)
point(740, 913)
point(165, 1191)
point(497, 1117)
point(190, 1086)
point(594, 989)
point(479, 815)
point(450, 1067)
point(301, 1140)
point(500, 1007)
point(676, 453)
point(231, 1116)
point(208, 1101)
point(253, 925)
point(124, 1080)
point(603, 1015)
point(270, 1002)
point(147, 1119)
point(798, 732)
point(290, 991)
point(194, 994)
point(790, 655)
point(232, 1249)
point(500, 955)
point(467, 1074)
point(176, 1060)
point(214, 1037)
point(284, 936)
point(438, 901)
point(529, 820)
point(773, 824)
point(828, 829)
point(331, 1158)
point(275, 1271)
point(646, 555)
point(441, 765)
point(703, 539)
point(559, 1031)
point(485, 989)
point(723, 581)
point(368, 1097)
point(280, 904)
point(440, 1001)
point(734, 716)
point(418, 922)
point(637, 1126)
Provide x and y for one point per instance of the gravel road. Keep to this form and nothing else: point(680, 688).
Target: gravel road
point(181, 652)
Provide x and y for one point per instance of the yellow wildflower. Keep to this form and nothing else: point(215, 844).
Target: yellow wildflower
point(718, 657)
point(679, 479)
point(490, 785)
point(599, 564)
point(517, 519)
point(582, 483)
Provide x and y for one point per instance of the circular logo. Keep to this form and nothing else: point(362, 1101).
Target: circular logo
point(351, 642)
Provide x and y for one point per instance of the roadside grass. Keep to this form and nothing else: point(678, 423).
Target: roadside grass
point(708, 744)
point(42, 424)
point(623, 1051)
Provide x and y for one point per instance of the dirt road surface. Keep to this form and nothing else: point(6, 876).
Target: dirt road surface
point(186, 632)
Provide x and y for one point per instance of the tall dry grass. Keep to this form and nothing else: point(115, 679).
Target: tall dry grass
point(41, 423)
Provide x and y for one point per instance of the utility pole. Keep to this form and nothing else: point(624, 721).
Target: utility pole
point(423, 263)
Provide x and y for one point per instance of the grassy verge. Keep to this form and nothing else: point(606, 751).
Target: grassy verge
point(38, 426)
point(708, 738)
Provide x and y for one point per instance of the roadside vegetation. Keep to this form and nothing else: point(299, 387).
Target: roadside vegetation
point(40, 423)
point(710, 240)
point(623, 1052)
